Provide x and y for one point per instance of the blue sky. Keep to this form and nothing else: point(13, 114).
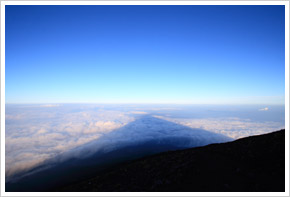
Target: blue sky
point(145, 54)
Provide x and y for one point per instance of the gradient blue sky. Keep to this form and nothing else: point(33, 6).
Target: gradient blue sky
point(145, 54)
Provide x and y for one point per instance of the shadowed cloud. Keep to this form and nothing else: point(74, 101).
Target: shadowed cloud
point(35, 134)
point(144, 136)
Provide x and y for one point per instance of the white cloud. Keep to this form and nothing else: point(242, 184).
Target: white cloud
point(50, 105)
point(264, 109)
point(41, 131)
point(36, 134)
point(231, 127)
point(139, 112)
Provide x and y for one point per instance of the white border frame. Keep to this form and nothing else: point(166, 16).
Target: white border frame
point(3, 3)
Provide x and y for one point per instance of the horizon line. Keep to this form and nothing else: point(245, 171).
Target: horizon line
point(140, 103)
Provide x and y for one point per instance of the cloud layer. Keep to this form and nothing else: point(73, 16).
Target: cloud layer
point(36, 133)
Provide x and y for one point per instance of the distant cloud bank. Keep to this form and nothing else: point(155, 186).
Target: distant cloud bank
point(35, 134)
point(264, 109)
point(50, 105)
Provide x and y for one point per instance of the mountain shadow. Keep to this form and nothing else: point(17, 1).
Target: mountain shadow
point(143, 137)
point(251, 164)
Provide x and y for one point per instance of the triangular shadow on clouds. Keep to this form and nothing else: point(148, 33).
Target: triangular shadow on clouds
point(145, 136)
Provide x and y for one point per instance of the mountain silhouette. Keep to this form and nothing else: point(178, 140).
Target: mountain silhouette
point(251, 164)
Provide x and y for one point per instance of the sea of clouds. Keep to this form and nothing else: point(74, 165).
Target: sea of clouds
point(36, 133)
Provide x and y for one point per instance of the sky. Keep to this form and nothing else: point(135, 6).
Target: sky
point(145, 54)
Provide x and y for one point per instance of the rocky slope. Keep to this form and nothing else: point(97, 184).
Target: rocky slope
point(255, 163)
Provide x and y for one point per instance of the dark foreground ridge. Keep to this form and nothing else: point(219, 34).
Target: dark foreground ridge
point(255, 163)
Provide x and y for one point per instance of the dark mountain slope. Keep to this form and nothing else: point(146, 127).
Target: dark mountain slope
point(255, 163)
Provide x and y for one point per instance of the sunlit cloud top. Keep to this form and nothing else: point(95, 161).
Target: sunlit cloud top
point(35, 133)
